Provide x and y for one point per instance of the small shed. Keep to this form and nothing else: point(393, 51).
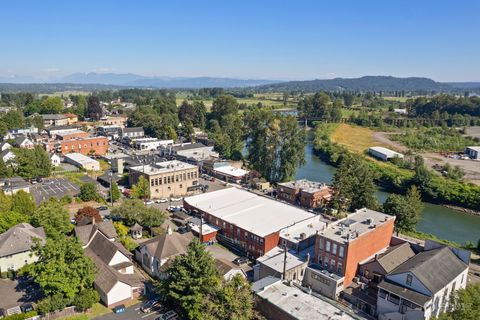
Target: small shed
point(136, 231)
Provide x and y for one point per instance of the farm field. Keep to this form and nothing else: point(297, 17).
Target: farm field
point(357, 139)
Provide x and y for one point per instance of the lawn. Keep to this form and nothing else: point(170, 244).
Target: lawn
point(400, 99)
point(356, 139)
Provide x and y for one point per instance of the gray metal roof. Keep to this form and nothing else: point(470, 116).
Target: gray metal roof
point(410, 295)
point(19, 239)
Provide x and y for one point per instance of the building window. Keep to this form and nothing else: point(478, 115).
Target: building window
point(409, 279)
point(319, 260)
point(327, 246)
point(321, 244)
point(334, 248)
point(340, 269)
point(340, 251)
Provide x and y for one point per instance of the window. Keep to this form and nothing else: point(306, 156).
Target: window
point(340, 269)
point(319, 260)
point(409, 279)
point(334, 248)
point(340, 251)
point(321, 244)
point(327, 247)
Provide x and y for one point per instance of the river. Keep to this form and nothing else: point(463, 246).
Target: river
point(440, 221)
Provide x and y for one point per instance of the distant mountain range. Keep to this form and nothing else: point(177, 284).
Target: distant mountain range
point(134, 80)
point(102, 81)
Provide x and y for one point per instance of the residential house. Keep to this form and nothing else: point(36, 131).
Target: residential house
point(13, 185)
point(7, 155)
point(71, 118)
point(154, 255)
point(116, 281)
point(16, 246)
point(133, 132)
point(421, 287)
point(228, 269)
point(23, 142)
point(54, 120)
point(4, 145)
point(55, 159)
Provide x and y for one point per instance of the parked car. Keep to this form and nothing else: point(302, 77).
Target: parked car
point(26, 307)
point(102, 208)
point(150, 202)
point(149, 305)
point(240, 260)
point(182, 230)
point(176, 199)
point(169, 315)
point(163, 200)
point(119, 309)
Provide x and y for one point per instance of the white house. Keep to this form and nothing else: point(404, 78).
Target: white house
point(4, 145)
point(55, 159)
point(116, 281)
point(421, 287)
point(16, 246)
point(156, 252)
point(24, 142)
point(7, 155)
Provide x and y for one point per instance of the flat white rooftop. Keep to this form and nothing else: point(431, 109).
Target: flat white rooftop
point(80, 158)
point(385, 151)
point(274, 259)
point(231, 171)
point(303, 229)
point(476, 148)
point(163, 167)
point(259, 215)
point(355, 224)
point(206, 228)
point(300, 305)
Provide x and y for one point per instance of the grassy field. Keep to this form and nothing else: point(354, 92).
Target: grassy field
point(356, 139)
point(401, 99)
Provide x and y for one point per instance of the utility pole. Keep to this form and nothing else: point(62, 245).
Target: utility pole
point(111, 193)
point(284, 275)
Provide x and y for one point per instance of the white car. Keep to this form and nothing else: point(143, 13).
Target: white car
point(150, 202)
point(176, 199)
point(163, 200)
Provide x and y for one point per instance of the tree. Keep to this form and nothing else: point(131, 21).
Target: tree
point(62, 269)
point(9, 219)
point(114, 192)
point(53, 217)
point(223, 105)
point(406, 209)
point(464, 304)
point(276, 144)
point(23, 203)
point(89, 213)
point(94, 108)
point(134, 210)
point(86, 298)
point(32, 163)
point(232, 301)
point(141, 189)
point(353, 185)
point(191, 278)
point(88, 192)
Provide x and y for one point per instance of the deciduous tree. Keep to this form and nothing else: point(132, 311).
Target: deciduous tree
point(89, 213)
point(53, 217)
point(141, 189)
point(88, 192)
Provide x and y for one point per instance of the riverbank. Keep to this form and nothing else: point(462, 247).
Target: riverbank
point(436, 220)
point(462, 210)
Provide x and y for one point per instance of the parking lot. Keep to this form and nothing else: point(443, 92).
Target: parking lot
point(56, 188)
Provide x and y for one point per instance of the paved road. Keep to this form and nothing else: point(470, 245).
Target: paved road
point(132, 313)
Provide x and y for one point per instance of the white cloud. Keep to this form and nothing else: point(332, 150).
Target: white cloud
point(52, 70)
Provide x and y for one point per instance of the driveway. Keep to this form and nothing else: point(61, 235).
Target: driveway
point(131, 313)
point(14, 293)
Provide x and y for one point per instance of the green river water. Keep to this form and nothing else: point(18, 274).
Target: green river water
point(440, 221)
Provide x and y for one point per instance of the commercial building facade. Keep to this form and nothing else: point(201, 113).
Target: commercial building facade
point(166, 179)
point(307, 193)
point(85, 146)
point(341, 246)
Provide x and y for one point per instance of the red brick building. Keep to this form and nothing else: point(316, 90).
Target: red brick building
point(304, 192)
point(86, 146)
point(341, 246)
point(251, 222)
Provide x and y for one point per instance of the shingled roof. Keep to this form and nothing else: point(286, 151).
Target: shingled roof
point(167, 245)
point(19, 239)
point(434, 268)
point(86, 232)
point(395, 256)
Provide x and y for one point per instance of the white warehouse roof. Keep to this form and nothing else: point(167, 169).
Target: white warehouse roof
point(80, 158)
point(256, 214)
point(387, 152)
point(231, 171)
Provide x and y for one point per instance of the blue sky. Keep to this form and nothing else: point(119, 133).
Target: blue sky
point(247, 39)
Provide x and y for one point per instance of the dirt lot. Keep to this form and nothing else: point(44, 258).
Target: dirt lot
point(473, 132)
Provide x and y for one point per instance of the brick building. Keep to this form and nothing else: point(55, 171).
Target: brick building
point(87, 145)
point(69, 135)
point(307, 193)
point(341, 246)
point(170, 178)
point(252, 223)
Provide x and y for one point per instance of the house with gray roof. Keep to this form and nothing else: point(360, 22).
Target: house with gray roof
point(116, 281)
point(86, 230)
point(155, 254)
point(421, 287)
point(16, 246)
